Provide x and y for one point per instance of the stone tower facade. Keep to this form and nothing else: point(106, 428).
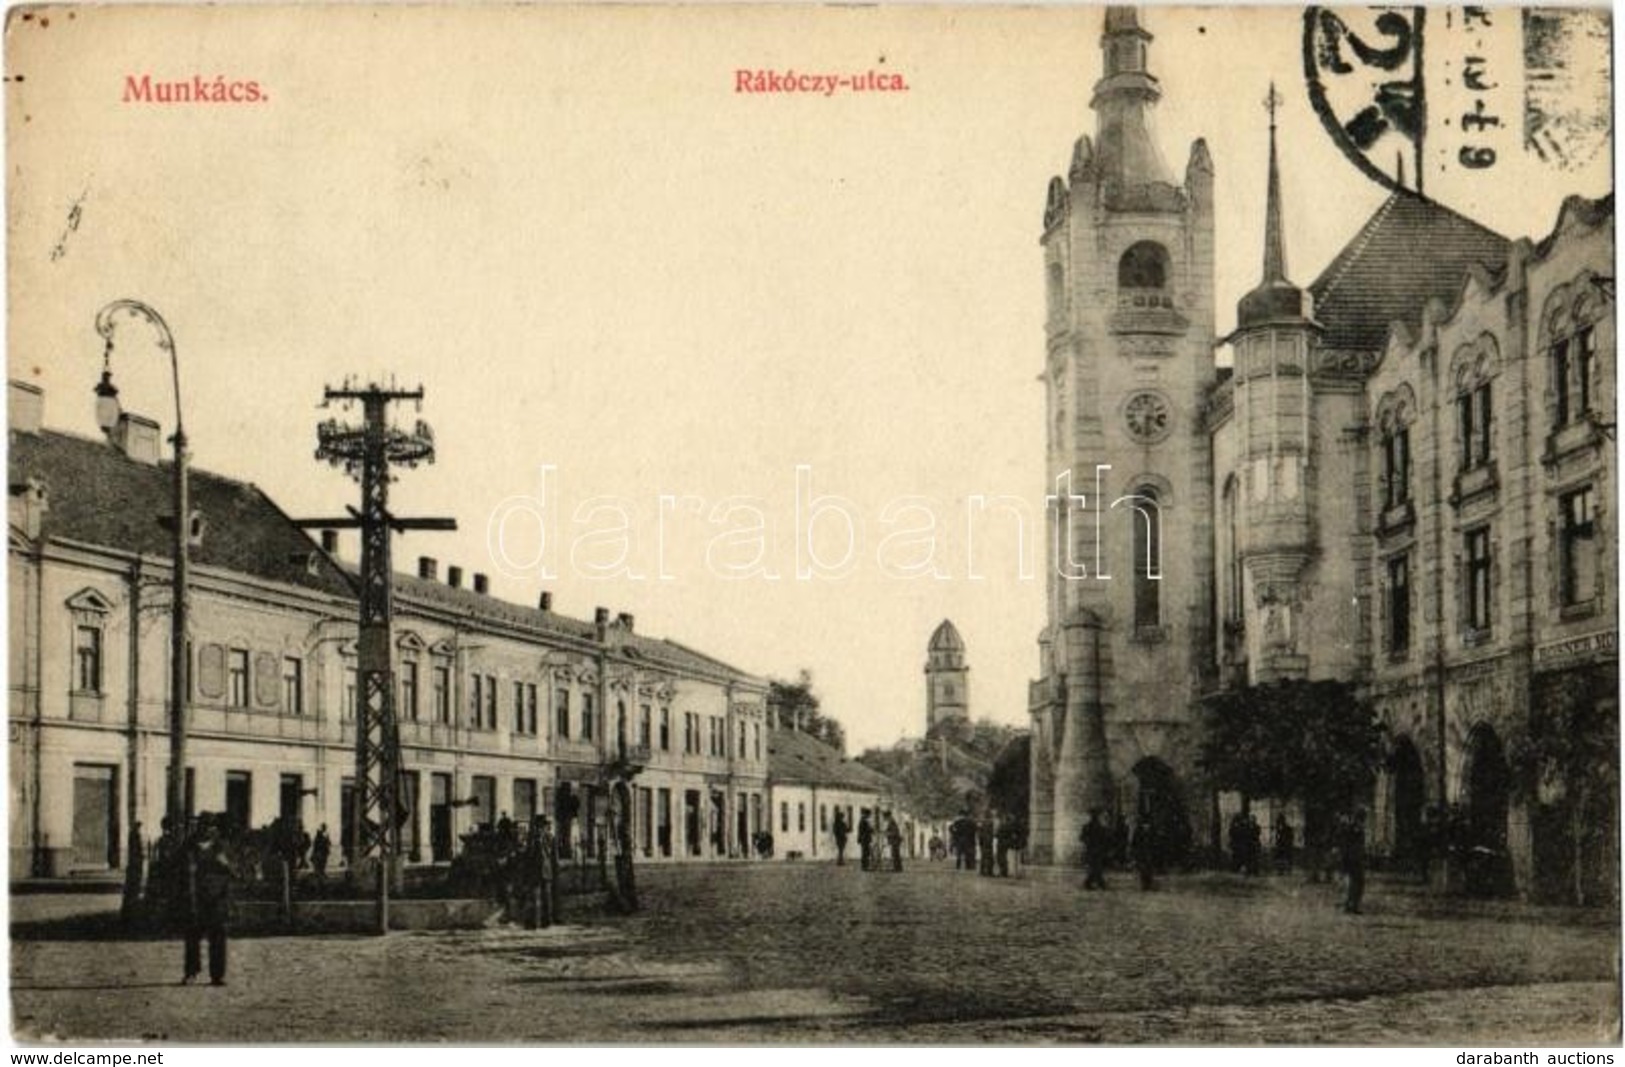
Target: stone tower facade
point(1128, 261)
point(947, 697)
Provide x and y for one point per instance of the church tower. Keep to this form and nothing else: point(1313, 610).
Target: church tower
point(946, 694)
point(1128, 265)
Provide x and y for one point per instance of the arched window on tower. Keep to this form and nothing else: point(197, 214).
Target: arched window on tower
point(1143, 266)
point(1231, 555)
point(1146, 521)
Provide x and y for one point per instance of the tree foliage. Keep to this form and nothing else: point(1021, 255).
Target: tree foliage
point(796, 705)
point(1315, 742)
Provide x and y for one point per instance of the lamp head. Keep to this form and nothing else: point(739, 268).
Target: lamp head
point(108, 409)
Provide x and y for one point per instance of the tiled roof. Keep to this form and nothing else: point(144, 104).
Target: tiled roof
point(1411, 250)
point(428, 592)
point(794, 756)
point(97, 495)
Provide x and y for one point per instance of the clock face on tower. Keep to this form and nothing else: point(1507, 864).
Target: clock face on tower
point(1148, 417)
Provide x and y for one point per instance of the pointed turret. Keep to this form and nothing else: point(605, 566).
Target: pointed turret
point(1123, 100)
point(1276, 299)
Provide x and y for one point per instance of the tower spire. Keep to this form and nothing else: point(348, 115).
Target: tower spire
point(1274, 240)
point(1124, 100)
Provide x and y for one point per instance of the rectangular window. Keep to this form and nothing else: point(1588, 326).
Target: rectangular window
point(741, 731)
point(476, 700)
point(442, 695)
point(87, 656)
point(561, 711)
point(490, 702)
point(756, 738)
point(532, 720)
point(348, 711)
point(519, 708)
point(1473, 418)
point(589, 715)
point(409, 690)
point(784, 816)
point(1561, 368)
point(823, 817)
point(1587, 344)
point(1478, 580)
point(1578, 548)
point(688, 731)
point(1399, 604)
point(293, 685)
point(665, 729)
point(801, 818)
point(238, 673)
point(645, 725)
point(1397, 466)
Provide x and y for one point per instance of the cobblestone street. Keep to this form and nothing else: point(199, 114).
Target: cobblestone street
point(814, 953)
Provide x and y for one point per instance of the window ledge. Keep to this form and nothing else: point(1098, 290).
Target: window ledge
point(1394, 519)
point(1577, 436)
point(1476, 638)
point(1475, 482)
point(1585, 609)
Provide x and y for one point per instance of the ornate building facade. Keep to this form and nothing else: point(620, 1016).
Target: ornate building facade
point(1403, 480)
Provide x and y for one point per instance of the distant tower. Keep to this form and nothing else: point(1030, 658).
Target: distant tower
point(1128, 266)
point(946, 699)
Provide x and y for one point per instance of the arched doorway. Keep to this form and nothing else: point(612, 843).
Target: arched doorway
point(1407, 795)
point(1159, 799)
point(1487, 868)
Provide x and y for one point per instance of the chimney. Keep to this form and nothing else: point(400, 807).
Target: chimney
point(482, 584)
point(600, 621)
point(454, 577)
point(25, 407)
point(330, 542)
point(28, 504)
point(625, 620)
point(428, 567)
point(545, 601)
point(137, 437)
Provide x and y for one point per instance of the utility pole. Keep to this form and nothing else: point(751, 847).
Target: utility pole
point(366, 453)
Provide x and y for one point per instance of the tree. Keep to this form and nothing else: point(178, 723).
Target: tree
point(1316, 742)
point(1009, 784)
point(797, 707)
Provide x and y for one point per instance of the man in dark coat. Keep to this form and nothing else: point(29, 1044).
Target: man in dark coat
point(894, 841)
point(866, 842)
point(840, 831)
point(1143, 847)
point(1097, 845)
point(1004, 839)
point(208, 902)
point(984, 844)
point(1353, 856)
point(320, 849)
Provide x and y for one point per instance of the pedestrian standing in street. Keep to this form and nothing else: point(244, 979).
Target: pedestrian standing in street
point(1143, 848)
point(840, 831)
point(320, 849)
point(1353, 856)
point(894, 841)
point(208, 902)
point(1097, 845)
point(984, 844)
point(1283, 844)
point(1255, 844)
point(866, 842)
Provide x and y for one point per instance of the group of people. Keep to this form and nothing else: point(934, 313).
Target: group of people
point(1101, 844)
point(981, 844)
point(870, 841)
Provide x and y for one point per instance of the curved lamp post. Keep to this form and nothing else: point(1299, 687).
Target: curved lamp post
point(107, 417)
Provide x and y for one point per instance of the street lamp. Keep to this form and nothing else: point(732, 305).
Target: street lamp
point(107, 417)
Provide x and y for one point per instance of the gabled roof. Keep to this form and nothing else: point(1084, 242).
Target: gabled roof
point(96, 495)
point(1410, 251)
point(794, 756)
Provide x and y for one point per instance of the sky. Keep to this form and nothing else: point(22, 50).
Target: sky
point(615, 276)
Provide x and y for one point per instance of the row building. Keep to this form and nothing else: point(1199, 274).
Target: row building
point(504, 709)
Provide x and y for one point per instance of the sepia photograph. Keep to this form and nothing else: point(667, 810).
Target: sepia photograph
point(795, 525)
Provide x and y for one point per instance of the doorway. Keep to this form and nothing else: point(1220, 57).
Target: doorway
point(95, 816)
